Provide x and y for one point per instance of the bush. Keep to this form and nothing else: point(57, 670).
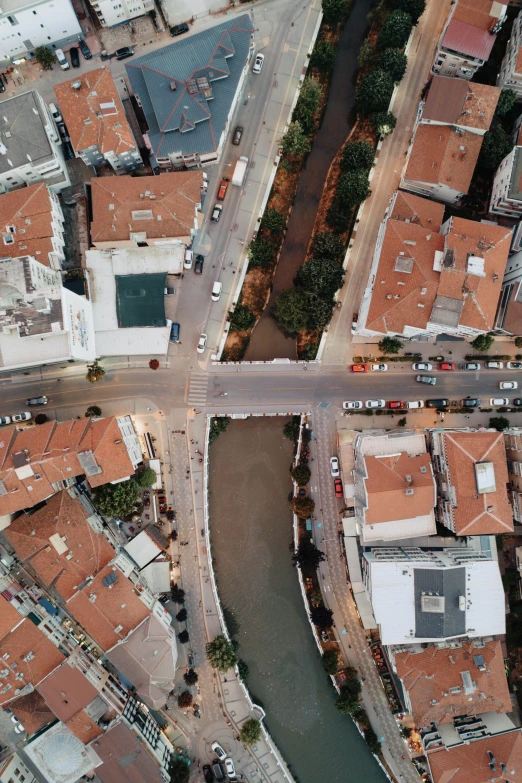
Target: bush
point(250, 732)
point(217, 426)
point(374, 92)
point(505, 102)
point(518, 342)
point(308, 104)
point(366, 53)
point(44, 57)
point(295, 142)
point(326, 244)
point(41, 418)
point(93, 410)
point(177, 594)
point(117, 500)
point(301, 475)
point(338, 217)
point(395, 30)
point(185, 699)
point(190, 677)
point(482, 342)
point(183, 636)
point(322, 276)
point(179, 771)
point(402, 422)
point(291, 428)
point(260, 252)
point(383, 122)
point(302, 507)
point(95, 372)
point(323, 57)
point(348, 700)
point(242, 319)
point(353, 188)
point(331, 661)
point(372, 740)
point(495, 147)
point(146, 478)
point(307, 556)
point(321, 617)
point(390, 345)
point(415, 8)
point(499, 423)
point(334, 11)
point(242, 669)
point(273, 221)
point(357, 155)
point(394, 62)
point(181, 615)
point(154, 364)
point(221, 654)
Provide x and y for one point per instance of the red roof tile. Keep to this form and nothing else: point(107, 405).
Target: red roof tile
point(28, 210)
point(386, 487)
point(32, 712)
point(469, 763)
point(125, 760)
point(67, 691)
point(469, 40)
point(441, 155)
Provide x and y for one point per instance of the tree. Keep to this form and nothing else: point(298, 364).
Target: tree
point(334, 11)
point(93, 410)
point(217, 426)
point(505, 102)
point(518, 342)
point(183, 636)
point(323, 57)
point(394, 62)
point(374, 92)
point(146, 478)
point(221, 654)
point(353, 188)
point(177, 594)
point(273, 220)
point(301, 474)
point(390, 345)
point(372, 740)
point(402, 422)
point(321, 617)
point(117, 500)
point(260, 252)
point(326, 244)
point(171, 516)
point(154, 364)
point(291, 310)
point(302, 507)
point(415, 8)
point(44, 57)
point(41, 418)
point(383, 122)
point(179, 772)
point(173, 533)
point(306, 107)
point(321, 276)
point(95, 372)
point(338, 217)
point(495, 147)
point(499, 423)
point(395, 30)
point(366, 53)
point(242, 319)
point(482, 342)
point(242, 669)
point(319, 310)
point(291, 428)
point(348, 700)
point(331, 661)
point(185, 699)
point(295, 142)
point(357, 155)
point(191, 677)
point(250, 732)
point(307, 555)
point(181, 615)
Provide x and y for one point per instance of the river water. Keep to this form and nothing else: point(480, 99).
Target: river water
point(251, 534)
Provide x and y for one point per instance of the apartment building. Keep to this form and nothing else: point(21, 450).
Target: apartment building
point(395, 492)
point(493, 758)
point(510, 76)
point(468, 37)
point(472, 475)
point(30, 146)
point(33, 221)
point(110, 12)
point(513, 444)
point(98, 128)
point(509, 313)
point(24, 25)
point(506, 195)
point(13, 770)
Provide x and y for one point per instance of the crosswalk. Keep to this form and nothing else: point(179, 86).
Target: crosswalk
point(197, 393)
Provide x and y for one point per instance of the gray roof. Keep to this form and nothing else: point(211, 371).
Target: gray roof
point(22, 132)
point(449, 583)
point(187, 88)
point(140, 300)
point(515, 185)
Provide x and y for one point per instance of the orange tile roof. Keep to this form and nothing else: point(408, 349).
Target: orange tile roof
point(67, 690)
point(429, 676)
point(386, 487)
point(422, 211)
point(102, 609)
point(470, 763)
point(476, 13)
point(478, 514)
point(29, 211)
point(440, 155)
point(94, 113)
point(9, 617)
point(66, 517)
point(32, 712)
point(116, 202)
point(459, 102)
point(83, 727)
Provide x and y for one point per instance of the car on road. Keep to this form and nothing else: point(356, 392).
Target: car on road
point(354, 405)
point(5, 420)
point(445, 366)
point(236, 138)
point(75, 56)
point(375, 404)
point(471, 366)
point(85, 49)
point(124, 52)
point(358, 368)
point(37, 401)
point(19, 729)
point(334, 466)
point(202, 343)
point(508, 385)
point(441, 402)
point(499, 401)
point(514, 365)
point(231, 770)
point(517, 402)
point(216, 213)
point(189, 255)
point(62, 59)
point(179, 29)
point(426, 379)
point(222, 192)
point(216, 291)
point(57, 117)
point(258, 63)
point(218, 750)
point(338, 487)
point(2, 86)
point(470, 402)
point(355, 318)
point(378, 367)
point(198, 266)
point(174, 333)
point(218, 770)
point(21, 416)
point(494, 365)
point(394, 404)
point(207, 773)
point(422, 366)
point(415, 404)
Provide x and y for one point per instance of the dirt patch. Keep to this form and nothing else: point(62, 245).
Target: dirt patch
point(255, 288)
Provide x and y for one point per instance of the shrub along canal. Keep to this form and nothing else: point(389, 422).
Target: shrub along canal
point(251, 534)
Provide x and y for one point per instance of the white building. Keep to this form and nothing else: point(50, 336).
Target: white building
point(26, 24)
point(506, 196)
point(511, 69)
point(13, 770)
point(30, 146)
point(112, 12)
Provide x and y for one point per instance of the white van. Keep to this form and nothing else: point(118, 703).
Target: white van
point(62, 59)
point(415, 404)
point(57, 117)
point(216, 291)
point(189, 255)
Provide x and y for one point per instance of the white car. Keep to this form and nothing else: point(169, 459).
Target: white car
point(216, 291)
point(21, 416)
point(378, 367)
point(258, 63)
point(356, 405)
point(471, 366)
point(415, 404)
point(218, 750)
point(499, 401)
point(508, 385)
point(375, 403)
point(19, 729)
point(494, 365)
point(202, 343)
point(189, 255)
point(422, 366)
point(231, 770)
point(5, 420)
point(334, 466)
point(514, 365)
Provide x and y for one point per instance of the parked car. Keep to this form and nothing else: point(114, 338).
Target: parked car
point(517, 402)
point(442, 402)
point(179, 29)
point(124, 52)
point(258, 63)
point(394, 404)
point(174, 333)
point(21, 417)
point(415, 404)
point(499, 401)
point(469, 402)
point(231, 770)
point(359, 368)
point(222, 192)
point(189, 255)
point(334, 466)
point(5, 420)
point(471, 366)
point(57, 117)
point(198, 266)
point(236, 138)
point(2, 86)
point(75, 56)
point(202, 343)
point(355, 318)
point(62, 59)
point(37, 401)
point(169, 291)
point(218, 771)
point(508, 385)
point(216, 291)
point(378, 367)
point(216, 213)
point(356, 405)
point(426, 379)
point(19, 729)
point(207, 773)
point(375, 404)
point(494, 365)
point(514, 365)
point(445, 366)
point(421, 366)
point(338, 487)
point(218, 750)
point(85, 49)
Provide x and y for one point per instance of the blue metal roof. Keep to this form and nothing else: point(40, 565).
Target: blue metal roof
point(184, 114)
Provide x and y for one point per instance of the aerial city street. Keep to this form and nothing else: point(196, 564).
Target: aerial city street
point(261, 391)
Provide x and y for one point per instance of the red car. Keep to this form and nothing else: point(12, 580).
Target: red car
point(338, 485)
point(222, 192)
point(359, 368)
point(395, 404)
point(445, 366)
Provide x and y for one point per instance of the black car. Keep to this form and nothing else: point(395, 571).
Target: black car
point(85, 49)
point(75, 56)
point(174, 333)
point(179, 29)
point(124, 52)
point(517, 402)
point(207, 774)
point(237, 135)
point(218, 770)
point(440, 403)
point(470, 403)
point(2, 86)
point(198, 266)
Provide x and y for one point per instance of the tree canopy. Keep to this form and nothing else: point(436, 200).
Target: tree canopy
point(307, 555)
point(217, 426)
point(353, 188)
point(326, 244)
point(302, 507)
point(146, 478)
point(291, 428)
point(295, 141)
point(250, 732)
point(307, 104)
point(260, 252)
point(383, 122)
point(117, 500)
point(93, 410)
point(44, 57)
point(179, 772)
point(291, 310)
point(374, 92)
point(499, 423)
point(394, 62)
point(357, 155)
point(348, 700)
point(482, 342)
point(334, 11)
point(390, 345)
point(395, 30)
point(191, 677)
point(95, 372)
point(495, 147)
point(323, 276)
point(321, 617)
point(331, 661)
point(301, 474)
point(415, 8)
point(221, 654)
point(323, 57)
point(177, 594)
point(273, 220)
point(242, 319)
point(505, 102)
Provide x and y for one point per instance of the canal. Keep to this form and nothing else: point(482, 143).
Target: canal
point(251, 534)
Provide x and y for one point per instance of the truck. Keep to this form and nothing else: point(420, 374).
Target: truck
point(238, 177)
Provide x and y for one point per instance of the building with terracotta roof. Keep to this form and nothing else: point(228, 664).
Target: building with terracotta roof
point(509, 312)
point(468, 37)
point(125, 759)
point(510, 76)
point(513, 444)
point(426, 280)
point(472, 476)
point(36, 462)
point(93, 113)
point(60, 544)
point(146, 211)
point(33, 221)
point(395, 492)
point(33, 712)
point(493, 759)
point(441, 683)
point(468, 106)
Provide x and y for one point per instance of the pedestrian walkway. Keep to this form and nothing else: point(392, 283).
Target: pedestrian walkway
point(197, 393)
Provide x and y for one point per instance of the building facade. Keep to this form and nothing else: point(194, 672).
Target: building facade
point(510, 76)
point(111, 13)
point(26, 24)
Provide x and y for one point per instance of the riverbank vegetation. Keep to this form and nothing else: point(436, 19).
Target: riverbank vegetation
point(217, 426)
